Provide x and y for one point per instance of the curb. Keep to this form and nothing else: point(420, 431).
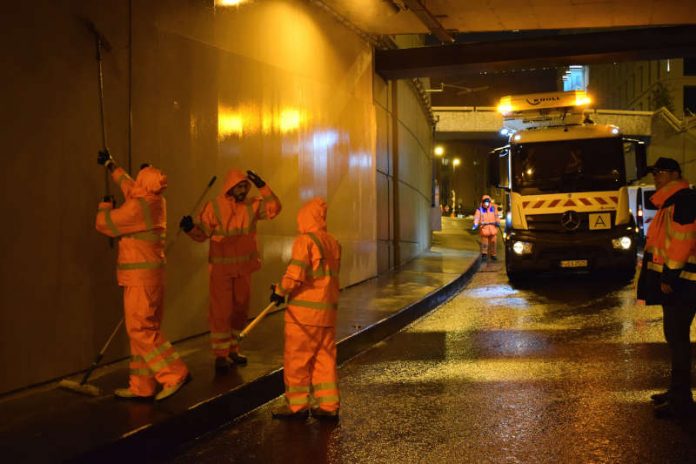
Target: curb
point(158, 440)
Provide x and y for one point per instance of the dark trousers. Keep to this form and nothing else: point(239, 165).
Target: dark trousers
point(677, 318)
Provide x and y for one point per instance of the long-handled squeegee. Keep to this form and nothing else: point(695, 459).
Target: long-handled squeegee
point(82, 386)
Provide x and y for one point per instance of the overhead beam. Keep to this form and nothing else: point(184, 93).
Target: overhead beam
point(557, 50)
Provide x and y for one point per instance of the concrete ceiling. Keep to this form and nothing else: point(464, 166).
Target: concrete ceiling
point(464, 16)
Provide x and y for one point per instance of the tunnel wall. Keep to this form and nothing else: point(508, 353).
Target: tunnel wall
point(408, 131)
point(275, 86)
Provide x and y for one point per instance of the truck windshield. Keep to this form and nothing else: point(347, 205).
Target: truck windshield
point(568, 166)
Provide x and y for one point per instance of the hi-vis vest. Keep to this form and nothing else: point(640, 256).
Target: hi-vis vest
point(140, 225)
point(488, 216)
point(235, 244)
point(231, 228)
point(669, 243)
point(315, 264)
point(670, 249)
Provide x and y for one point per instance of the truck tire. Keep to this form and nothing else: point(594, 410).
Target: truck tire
point(625, 274)
point(514, 276)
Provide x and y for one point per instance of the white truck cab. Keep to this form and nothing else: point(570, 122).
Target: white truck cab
point(566, 183)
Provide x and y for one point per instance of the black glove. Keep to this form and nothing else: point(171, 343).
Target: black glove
point(109, 199)
point(255, 179)
point(104, 158)
point(186, 223)
point(275, 298)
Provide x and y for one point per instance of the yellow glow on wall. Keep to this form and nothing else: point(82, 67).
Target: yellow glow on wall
point(249, 119)
point(228, 2)
point(230, 123)
point(290, 120)
point(266, 123)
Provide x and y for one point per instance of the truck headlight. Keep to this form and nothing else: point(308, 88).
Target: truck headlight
point(621, 243)
point(522, 248)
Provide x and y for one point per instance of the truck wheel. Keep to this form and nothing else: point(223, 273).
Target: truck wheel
point(514, 275)
point(625, 274)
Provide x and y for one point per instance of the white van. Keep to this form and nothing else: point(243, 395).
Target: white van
point(641, 207)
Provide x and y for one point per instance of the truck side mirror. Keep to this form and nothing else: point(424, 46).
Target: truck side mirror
point(498, 168)
point(493, 169)
point(635, 159)
point(641, 160)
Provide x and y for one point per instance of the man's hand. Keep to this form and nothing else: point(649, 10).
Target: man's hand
point(186, 223)
point(666, 288)
point(275, 298)
point(255, 179)
point(104, 158)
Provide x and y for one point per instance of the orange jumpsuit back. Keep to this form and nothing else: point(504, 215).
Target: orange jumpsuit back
point(489, 231)
point(231, 228)
point(140, 224)
point(311, 284)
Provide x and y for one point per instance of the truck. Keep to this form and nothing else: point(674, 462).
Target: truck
point(565, 182)
point(641, 207)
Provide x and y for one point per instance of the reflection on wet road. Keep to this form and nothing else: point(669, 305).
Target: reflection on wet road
point(557, 371)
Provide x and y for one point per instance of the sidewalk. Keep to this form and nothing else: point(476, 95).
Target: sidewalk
point(48, 424)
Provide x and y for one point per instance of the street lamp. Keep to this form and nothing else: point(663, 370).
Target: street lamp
point(439, 150)
point(455, 162)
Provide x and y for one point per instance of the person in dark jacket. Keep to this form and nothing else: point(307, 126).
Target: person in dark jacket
point(668, 277)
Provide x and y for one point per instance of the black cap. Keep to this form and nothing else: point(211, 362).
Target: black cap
point(665, 164)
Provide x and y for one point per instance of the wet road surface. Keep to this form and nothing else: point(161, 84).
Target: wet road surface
point(559, 370)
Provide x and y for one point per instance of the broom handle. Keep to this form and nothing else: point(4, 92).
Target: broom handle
point(100, 355)
point(195, 207)
point(256, 321)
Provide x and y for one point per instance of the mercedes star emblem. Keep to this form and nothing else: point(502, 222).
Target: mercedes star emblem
point(570, 220)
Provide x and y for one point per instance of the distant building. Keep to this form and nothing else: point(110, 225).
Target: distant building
point(646, 86)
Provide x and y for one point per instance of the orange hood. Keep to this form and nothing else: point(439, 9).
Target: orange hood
point(233, 177)
point(150, 181)
point(312, 216)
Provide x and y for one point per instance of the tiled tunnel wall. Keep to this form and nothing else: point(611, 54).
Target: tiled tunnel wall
point(275, 86)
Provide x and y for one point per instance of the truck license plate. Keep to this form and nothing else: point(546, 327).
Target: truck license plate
point(574, 263)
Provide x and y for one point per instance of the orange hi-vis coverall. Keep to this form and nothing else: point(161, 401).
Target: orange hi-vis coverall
point(670, 248)
point(488, 220)
point(140, 224)
point(311, 284)
point(231, 227)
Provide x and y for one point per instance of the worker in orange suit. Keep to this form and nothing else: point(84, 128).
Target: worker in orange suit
point(311, 285)
point(487, 221)
point(229, 222)
point(668, 278)
point(140, 225)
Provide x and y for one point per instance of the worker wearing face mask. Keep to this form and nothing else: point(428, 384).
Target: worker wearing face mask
point(487, 221)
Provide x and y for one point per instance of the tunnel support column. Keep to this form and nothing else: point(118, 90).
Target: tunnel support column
point(396, 216)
